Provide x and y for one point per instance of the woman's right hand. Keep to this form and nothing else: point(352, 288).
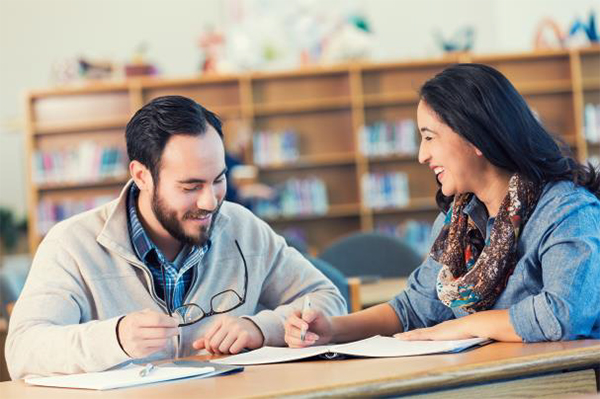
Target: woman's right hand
point(318, 328)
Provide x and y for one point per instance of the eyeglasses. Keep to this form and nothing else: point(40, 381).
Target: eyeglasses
point(222, 302)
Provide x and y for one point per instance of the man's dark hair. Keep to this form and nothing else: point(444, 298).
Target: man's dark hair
point(149, 130)
point(481, 105)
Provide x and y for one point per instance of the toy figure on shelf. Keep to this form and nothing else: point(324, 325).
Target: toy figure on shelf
point(211, 42)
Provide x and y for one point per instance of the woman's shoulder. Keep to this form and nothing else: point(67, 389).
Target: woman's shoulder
point(563, 198)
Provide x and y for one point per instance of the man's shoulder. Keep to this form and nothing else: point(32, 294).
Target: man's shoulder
point(83, 226)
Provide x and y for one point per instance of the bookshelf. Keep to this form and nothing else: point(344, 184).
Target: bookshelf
point(327, 109)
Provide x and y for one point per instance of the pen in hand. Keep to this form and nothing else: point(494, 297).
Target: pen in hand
point(305, 308)
point(146, 370)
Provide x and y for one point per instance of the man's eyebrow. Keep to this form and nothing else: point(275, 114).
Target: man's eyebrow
point(196, 181)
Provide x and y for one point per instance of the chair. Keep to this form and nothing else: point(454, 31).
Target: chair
point(336, 277)
point(13, 273)
point(371, 255)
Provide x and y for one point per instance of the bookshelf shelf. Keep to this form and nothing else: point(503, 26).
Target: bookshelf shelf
point(327, 108)
point(312, 161)
point(80, 126)
point(107, 182)
point(302, 106)
point(334, 212)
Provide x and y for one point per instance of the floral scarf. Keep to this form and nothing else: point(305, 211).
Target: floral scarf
point(475, 272)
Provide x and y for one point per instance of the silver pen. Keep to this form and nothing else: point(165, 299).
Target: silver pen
point(146, 370)
point(305, 308)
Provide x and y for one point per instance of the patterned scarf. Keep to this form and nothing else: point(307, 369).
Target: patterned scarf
point(474, 272)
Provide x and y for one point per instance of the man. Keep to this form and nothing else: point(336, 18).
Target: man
point(104, 284)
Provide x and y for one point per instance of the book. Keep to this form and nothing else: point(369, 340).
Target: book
point(129, 375)
point(376, 346)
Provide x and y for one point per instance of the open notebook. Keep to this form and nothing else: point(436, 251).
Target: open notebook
point(129, 375)
point(376, 346)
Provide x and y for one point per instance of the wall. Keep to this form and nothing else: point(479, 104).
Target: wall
point(35, 34)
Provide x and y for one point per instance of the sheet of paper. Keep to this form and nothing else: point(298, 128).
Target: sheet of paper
point(379, 346)
point(125, 377)
point(270, 354)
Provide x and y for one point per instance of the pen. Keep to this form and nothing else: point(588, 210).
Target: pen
point(146, 370)
point(305, 308)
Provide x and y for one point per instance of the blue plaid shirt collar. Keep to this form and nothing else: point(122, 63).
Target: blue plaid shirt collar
point(177, 280)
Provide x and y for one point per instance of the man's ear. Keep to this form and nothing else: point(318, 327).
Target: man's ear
point(141, 176)
point(478, 151)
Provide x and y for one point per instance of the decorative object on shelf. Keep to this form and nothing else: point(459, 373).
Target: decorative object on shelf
point(385, 190)
point(139, 65)
point(95, 69)
point(211, 43)
point(389, 138)
point(549, 35)
point(462, 40)
point(583, 34)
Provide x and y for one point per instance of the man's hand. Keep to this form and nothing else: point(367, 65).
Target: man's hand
point(143, 333)
point(229, 335)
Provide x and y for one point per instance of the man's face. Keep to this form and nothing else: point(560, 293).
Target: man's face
point(191, 187)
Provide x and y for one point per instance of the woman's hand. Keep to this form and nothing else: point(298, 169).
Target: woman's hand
point(317, 327)
point(446, 331)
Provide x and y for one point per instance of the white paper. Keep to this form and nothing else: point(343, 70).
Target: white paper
point(125, 377)
point(376, 346)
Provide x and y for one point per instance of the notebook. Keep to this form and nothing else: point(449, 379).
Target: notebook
point(129, 376)
point(376, 346)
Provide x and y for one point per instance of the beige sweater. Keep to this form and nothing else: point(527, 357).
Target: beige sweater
point(85, 275)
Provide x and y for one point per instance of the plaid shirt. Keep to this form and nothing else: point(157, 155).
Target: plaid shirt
point(178, 281)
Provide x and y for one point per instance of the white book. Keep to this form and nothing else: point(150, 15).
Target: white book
point(127, 376)
point(376, 346)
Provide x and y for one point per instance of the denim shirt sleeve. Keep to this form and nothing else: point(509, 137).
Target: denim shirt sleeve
point(418, 305)
point(569, 254)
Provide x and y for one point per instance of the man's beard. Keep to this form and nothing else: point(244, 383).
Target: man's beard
point(169, 221)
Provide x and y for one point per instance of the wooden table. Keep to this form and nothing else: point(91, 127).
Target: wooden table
point(512, 370)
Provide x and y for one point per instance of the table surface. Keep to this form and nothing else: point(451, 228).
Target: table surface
point(381, 291)
point(357, 377)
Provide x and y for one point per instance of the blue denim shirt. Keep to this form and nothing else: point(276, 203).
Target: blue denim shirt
point(554, 291)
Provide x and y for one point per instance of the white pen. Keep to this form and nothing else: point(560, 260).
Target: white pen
point(146, 370)
point(305, 308)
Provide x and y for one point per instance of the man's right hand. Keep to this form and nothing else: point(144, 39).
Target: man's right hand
point(318, 328)
point(143, 333)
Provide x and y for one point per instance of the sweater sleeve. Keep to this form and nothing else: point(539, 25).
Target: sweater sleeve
point(290, 276)
point(45, 335)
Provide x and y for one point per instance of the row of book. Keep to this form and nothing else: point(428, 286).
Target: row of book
point(295, 197)
point(50, 212)
point(592, 123)
point(415, 233)
point(88, 161)
point(272, 148)
point(385, 190)
point(389, 138)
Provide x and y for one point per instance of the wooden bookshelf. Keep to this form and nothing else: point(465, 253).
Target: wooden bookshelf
point(327, 108)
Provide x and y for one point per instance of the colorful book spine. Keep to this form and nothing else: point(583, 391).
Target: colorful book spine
point(50, 212)
point(385, 190)
point(275, 148)
point(295, 197)
point(389, 138)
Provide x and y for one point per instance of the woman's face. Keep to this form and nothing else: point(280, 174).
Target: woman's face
point(457, 163)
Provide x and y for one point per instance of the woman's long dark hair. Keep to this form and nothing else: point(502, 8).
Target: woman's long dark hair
point(480, 104)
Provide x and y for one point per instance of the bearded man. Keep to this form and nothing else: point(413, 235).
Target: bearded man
point(166, 269)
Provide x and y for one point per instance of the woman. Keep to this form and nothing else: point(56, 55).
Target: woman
point(516, 252)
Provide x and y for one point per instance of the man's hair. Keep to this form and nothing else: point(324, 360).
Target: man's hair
point(149, 130)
